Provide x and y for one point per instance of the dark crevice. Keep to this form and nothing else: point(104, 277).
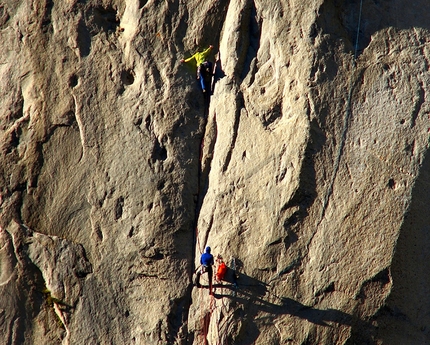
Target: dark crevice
point(376, 283)
point(418, 104)
point(142, 3)
point(137, 122)
point(340, 21)
point(209, 227)
point(254, 36)
point(100, 19)
point(119, 205)
point(73, 80)
point(4, 16)
point(306, 193)
point(12, 141)
point(249, 42)
point(127, 77)
point(161, 184)
point(278, 241)
point(15, 135)
point(36, 165)
point(83, 267)
point(406, 308)
point(83, 39)
point(269, 117)
point(329, 288)
point(98, 232)
point(148, 125)
point(15, 111)
point(47, 17)
point(152, 252)
point(239, 106)
point(68, 119)
point(205, 163)
point(94, 21)
point(159, 153)
point(215, 19)
point(121, 90)
point(218, 72)
point(382, 277)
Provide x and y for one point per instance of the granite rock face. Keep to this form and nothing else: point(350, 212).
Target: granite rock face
point(306, 169)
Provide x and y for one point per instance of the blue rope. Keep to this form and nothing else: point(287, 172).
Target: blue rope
point(358, 31)
point(345, 120)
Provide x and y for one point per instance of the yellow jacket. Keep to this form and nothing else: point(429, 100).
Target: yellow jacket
point(200, 57)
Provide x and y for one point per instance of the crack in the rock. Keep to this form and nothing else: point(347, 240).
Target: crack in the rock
point(418, 104)
point(339, 154)
point(80, 126)
point(239, 107)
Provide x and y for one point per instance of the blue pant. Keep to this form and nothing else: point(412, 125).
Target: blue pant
point(201, 78)
point(209, 271)
point(202, 82)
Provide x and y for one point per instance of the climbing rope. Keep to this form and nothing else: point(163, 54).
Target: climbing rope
point(222, 339)
point(199, 202)
point(345, 119)
point(207, 315)
point(197, 210)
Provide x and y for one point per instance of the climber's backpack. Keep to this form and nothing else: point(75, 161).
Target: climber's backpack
point(222, 269)
point(206, 69)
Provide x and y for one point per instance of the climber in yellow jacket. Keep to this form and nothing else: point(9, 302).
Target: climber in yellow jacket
point(201, 63)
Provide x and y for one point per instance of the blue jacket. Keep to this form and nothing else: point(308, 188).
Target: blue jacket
point(207, 259)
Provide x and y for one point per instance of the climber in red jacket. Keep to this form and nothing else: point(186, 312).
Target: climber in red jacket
point(221, 270)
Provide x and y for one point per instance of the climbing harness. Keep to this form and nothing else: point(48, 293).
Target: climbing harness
point(221, 271)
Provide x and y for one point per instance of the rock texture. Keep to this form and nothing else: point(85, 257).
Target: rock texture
point(307, 170)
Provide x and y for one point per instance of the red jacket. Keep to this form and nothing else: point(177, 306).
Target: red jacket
point(222, 269)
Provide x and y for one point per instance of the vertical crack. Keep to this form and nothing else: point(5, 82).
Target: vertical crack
point(80, 125)
point(253, 37)
point(239, 107)
point(418, 104)
point(205, 160)
point(339, 154)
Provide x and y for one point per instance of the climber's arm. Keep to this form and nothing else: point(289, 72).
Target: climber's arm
point(207, 51)
point(189, 59)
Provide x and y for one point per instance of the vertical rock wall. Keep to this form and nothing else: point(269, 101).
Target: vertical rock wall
point(306, 170)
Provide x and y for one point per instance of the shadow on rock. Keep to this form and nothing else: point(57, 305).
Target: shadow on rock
point(250, 298)
point(254, 293)
point(355, 26)
point(405, 317)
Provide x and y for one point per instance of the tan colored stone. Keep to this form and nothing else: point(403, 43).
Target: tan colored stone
point(308, 167)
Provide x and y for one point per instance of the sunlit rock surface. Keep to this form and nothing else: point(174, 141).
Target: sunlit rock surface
point(306, 169)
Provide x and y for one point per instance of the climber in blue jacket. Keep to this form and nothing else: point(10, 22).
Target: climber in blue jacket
point(206, 261)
